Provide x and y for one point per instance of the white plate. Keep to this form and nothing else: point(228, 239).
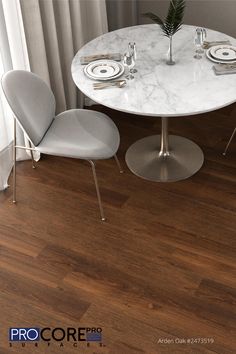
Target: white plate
point(210, 57)
point(104, 70)
point(108, 78)
point(223, 52)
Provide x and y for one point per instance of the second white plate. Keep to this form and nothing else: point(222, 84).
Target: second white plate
point(223, 52)
point(210, 57)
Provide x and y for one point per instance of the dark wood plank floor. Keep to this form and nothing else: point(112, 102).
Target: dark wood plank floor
point(161, 267)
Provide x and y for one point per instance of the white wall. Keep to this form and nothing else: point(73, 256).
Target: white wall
point(215, 14)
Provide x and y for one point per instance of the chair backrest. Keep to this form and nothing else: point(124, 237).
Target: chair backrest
point(31, 101)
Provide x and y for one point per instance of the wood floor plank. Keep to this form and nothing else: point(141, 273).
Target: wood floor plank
point(56, 301)
point(218, 293)
point(212, 269)
point(21, 264)
point(20, 241)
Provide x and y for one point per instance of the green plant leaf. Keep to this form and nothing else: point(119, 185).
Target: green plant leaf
point(174, 16)
point(173, 20)
point(154, 18)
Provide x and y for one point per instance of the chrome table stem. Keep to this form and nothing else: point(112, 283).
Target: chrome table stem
point(164, 150)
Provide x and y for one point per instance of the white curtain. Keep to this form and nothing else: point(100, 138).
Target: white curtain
point(5, 130)
point(43, 36)
point(13, 55)
point(55, 30)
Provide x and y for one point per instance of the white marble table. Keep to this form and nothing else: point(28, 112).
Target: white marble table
point(190, 87)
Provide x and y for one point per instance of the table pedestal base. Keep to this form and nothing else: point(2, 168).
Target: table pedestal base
point(179, 161)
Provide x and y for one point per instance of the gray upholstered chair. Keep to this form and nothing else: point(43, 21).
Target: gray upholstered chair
point(76, 133)
point(229, 142)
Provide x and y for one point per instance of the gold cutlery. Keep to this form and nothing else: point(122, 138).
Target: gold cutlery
point(207, 44)
point(228, 66)
point(223, 69)
point(87, 59)
point(101, 85)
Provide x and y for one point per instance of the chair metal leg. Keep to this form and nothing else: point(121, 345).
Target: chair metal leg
point(229, 142)
point(14, 162)
point(32, 156)
point(118, 164)
point(97, 190)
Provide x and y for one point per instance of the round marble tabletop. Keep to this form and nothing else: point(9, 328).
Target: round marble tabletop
point(186, 88)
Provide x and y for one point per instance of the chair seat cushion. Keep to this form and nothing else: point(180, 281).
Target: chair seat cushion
point(81, 133)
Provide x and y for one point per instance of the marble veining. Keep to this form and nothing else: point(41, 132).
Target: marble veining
point(187, 88)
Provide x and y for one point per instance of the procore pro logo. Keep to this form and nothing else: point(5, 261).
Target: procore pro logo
point(57, 334)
